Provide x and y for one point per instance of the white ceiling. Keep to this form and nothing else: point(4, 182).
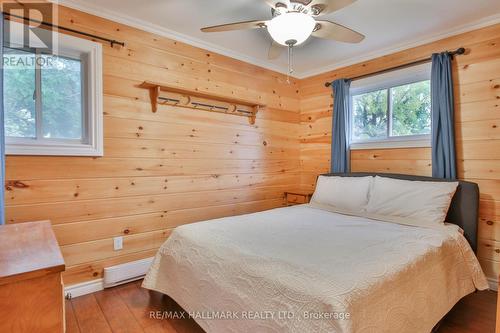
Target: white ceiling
point(389, 25)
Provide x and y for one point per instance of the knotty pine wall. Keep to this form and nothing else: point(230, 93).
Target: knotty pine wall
point(159, 170)
point(179, 166)
point(477, 112)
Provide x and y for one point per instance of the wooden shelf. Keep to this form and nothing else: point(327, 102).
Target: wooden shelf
point(162, 94)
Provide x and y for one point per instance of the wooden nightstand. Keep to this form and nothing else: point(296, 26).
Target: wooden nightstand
point(297, 197)
point(31, 290)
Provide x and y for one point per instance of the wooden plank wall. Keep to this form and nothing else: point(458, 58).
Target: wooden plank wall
point(477, 90)
point(159, 170)
point(179, 166)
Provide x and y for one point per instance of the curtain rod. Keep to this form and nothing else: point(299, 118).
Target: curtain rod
point(110, 41)
point(418, 62)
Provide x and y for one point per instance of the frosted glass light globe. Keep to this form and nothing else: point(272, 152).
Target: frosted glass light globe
point(292, 26)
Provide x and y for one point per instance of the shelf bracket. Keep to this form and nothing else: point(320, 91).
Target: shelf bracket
point(154, 93)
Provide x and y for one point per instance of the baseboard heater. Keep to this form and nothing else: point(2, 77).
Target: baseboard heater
point(131, 271)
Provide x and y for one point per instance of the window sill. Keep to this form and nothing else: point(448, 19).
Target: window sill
point(60, 149)
point(424, 143)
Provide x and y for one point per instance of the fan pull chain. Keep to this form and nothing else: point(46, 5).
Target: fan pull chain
point(290, 63)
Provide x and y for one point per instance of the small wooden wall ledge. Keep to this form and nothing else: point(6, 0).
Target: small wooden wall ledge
point(167, 95)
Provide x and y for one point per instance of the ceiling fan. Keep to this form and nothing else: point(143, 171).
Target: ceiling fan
point(294, 21)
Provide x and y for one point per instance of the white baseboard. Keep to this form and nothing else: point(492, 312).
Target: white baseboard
point(83, 288)
point(493, 284)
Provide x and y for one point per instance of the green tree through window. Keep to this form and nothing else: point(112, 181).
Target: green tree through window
point(411, 109)
point(370, 115)
point(394, 112)
point(19, 99)
point(62, 99)
point(45, 103)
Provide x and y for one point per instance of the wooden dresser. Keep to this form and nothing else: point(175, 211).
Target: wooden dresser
point(31, 290)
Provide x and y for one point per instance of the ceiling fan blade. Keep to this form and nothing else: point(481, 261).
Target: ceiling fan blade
point(322, 7)
point(275, 51)
point(330, 30)
point(236, 26)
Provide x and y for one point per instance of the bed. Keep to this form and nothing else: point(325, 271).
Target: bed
point(308, 269)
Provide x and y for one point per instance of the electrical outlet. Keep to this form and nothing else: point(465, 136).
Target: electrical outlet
point(118, 243)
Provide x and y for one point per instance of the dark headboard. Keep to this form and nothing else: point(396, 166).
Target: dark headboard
point(464, 208)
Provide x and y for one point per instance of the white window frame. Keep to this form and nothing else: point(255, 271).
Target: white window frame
point(383, 81)
point(90, 54)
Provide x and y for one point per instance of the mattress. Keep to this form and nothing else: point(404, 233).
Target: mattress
point(304, 269)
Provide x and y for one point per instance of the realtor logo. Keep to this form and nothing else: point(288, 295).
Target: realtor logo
point(24, 28)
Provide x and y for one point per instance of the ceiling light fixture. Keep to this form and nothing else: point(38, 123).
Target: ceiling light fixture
point(291, 29)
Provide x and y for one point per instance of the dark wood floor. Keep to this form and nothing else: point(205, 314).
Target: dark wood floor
point(127, 308)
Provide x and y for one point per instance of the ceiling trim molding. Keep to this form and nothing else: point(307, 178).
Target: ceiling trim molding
point(471, 26)
point(164, 32)
point(171, 34)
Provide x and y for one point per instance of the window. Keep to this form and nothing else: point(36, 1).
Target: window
point(392, 109)
point(53, 102)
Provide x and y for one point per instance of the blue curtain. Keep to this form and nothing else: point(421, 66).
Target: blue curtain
point(2, 137)
point(443, 130)
point(340, 126)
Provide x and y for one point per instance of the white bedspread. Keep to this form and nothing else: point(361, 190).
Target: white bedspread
point(300, 269)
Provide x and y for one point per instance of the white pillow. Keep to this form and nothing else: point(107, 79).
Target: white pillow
point(424, 203)
point(347, 194)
